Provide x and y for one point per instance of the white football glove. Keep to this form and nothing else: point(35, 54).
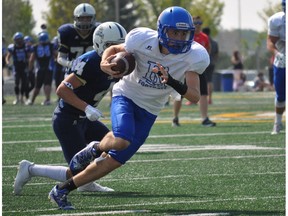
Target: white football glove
point(92, 113)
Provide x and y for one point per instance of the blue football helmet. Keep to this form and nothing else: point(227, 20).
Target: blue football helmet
point(43, 37)
point(18, 38)
point(18, 35)
point(27, 39)
point(175, 18)
point(284, 5)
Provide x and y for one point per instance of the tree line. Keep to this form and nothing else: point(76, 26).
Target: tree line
point(17, 16)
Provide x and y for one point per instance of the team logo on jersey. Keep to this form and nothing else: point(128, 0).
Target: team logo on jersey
point(151, 79)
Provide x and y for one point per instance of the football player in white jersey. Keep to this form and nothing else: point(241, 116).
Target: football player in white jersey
point(276, 43)
point(164, 59)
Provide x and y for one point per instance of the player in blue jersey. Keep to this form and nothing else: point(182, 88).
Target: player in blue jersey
point(44, 55)
point(164, 59)
point(20, 54)
point(76, 39)
point(276, 43)
point(75, 119)
point(31, 74)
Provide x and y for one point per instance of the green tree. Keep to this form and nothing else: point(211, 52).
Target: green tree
point(269, 11)
point(126, 10)
point(17, 17)
point(210, 11)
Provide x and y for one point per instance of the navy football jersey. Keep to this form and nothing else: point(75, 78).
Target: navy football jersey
point(72, 43)
point(96, 83)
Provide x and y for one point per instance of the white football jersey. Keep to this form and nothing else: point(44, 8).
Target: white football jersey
point(143, 86)
point(276, 28)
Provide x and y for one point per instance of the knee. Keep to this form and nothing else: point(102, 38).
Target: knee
point(112, 142)
point(121, 144)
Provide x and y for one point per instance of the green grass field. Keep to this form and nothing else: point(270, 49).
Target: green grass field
point(235, 168)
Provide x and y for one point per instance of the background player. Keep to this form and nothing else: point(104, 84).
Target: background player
point(76, 39)
point(44, 54)
point(31, 74)
point(20, 54)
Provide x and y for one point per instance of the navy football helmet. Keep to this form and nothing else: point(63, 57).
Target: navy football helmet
point(175, 18)
point(284, 5)
point(84, 16)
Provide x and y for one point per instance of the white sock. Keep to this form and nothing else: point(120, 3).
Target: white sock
point(278, 119)
point(57, 173)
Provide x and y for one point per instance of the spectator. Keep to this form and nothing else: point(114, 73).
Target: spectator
point(213, 59)
point(239, 77)
point(202, 39)
point(260, 83)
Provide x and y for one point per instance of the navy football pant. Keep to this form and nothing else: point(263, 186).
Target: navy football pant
point(75, 133)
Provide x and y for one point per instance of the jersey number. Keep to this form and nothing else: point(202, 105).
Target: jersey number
point(77, 51)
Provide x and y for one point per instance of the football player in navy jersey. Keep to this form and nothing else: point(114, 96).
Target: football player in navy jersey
point(20, 54)
point(58, 69)
point(75, 119)
point(76, 39)
point(44, 54)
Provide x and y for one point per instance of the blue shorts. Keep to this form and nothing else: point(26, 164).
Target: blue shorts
point(129, 122)
point(279, 83)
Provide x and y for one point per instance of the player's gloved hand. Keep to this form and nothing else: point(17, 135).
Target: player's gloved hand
point(92, 113)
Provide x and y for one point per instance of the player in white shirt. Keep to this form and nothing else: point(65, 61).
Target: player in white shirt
point(276, 43)
point(164, 59)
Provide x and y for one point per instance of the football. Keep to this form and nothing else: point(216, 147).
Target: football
point(125, 63)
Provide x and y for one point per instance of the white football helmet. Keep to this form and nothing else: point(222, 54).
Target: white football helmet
point(84, 16)
point(107, 34)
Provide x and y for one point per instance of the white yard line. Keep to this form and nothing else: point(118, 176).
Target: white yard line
point(99, 207)
point(157, 136)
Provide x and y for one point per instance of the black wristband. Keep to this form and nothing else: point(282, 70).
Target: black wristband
point(180, 87)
